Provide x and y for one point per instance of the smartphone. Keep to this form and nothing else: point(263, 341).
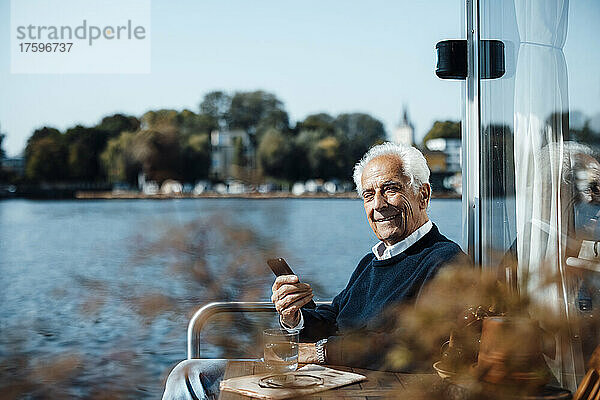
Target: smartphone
point(280, 267)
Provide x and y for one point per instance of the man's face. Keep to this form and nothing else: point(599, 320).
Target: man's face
point(393, 209)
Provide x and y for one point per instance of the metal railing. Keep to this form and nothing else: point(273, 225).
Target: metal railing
point(209, 310)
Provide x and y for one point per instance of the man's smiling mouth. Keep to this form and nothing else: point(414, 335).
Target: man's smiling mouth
point(391, 217)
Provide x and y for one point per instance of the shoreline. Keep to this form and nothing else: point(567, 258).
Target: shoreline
point(256, 196)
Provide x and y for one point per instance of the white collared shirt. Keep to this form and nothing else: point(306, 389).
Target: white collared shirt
point(382, 252)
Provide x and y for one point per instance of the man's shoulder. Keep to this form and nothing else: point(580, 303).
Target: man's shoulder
point(366, 260)
point(437, 249)
point(437, 238)
point(443, 252)
point(446, 250)
point(434, 240)
point(364, 263)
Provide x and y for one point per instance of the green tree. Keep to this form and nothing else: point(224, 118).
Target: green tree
point(183, 123)
point(170, 145)
point(443, 129)
point(165, 121)
point(190, 123)
point(4, 175)
point(275, 155)
point(276, 119)
point(115, 124)
point(39, 134)
point(326, 158)
point(255, 112)
point(308, 159)
point(84, 146)
point(2, 152)
point(118, 159)
point(196, 157)
point(158, 152)
point(357, 133)
point(321, 122)
point(216, 105)
point(46, 156)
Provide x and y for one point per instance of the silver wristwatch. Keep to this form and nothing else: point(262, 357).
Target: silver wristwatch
point(320, 345)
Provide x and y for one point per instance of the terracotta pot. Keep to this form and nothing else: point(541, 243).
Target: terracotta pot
point(511, 352)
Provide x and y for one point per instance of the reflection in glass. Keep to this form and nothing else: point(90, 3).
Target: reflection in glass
point(540, 164)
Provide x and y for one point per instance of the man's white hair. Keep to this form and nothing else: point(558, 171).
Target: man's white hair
point(413, 162)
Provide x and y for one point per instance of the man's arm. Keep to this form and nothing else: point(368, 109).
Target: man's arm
point(320, 322)
point(371, 348)
point(289, 295)
point(360, 349)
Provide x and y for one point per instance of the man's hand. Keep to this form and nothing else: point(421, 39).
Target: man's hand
point(289, 295)
point(307, 353)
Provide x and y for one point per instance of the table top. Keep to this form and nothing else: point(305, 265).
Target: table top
point(378, 383)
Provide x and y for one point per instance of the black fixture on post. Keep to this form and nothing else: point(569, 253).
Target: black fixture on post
point(452, 59)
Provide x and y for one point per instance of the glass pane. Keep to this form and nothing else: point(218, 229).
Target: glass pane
point(582, 158)
point(497, 190)
point(540, 171)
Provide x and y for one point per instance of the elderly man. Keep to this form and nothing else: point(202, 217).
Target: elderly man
point(393, 181)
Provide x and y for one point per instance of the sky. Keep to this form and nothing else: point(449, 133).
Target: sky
point(316, 56)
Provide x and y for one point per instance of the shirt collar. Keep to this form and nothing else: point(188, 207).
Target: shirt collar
point(383, 252)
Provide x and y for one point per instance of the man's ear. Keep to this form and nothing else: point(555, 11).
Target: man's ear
point(424, 195)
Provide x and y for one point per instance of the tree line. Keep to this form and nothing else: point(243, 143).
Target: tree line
point(171, 144)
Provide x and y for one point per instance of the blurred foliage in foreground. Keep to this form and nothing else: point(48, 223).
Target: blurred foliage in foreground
point(454, 306)
point(125, 333)
point(213, 259)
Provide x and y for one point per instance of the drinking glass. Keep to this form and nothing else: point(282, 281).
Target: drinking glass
point(280, 350)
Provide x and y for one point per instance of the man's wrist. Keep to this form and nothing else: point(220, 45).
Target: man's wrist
point(296, 321)
point(321, 351)
point(307, 353)
point(298, 326)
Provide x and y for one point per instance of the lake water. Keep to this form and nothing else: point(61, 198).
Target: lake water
point(96, 295)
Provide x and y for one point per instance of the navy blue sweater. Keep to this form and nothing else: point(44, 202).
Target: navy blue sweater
point(374, 285)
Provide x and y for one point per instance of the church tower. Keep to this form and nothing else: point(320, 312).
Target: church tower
point(405, 131)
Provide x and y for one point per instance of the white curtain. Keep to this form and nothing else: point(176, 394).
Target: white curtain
point(544, 210)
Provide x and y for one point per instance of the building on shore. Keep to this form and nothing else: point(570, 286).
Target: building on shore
point(404, 133)
point(443, 154)
point(230, 149)
point(15, 165)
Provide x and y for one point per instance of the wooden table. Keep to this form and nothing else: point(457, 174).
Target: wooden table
point(378, 383)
